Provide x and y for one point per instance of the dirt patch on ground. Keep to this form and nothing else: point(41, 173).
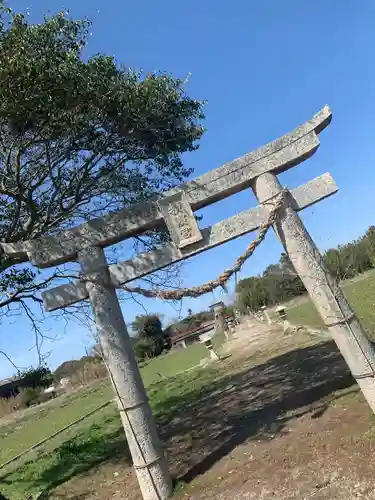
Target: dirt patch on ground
point(292, 427)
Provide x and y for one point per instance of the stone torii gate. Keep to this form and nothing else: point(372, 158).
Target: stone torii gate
point(85, 244)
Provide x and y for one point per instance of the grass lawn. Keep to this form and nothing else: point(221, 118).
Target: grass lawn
point(361, 295)
point(87, 444)
point(98, 437)
point(203, 415)
point(176, 362)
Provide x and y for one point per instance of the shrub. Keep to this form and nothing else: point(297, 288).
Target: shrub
point(29, 396)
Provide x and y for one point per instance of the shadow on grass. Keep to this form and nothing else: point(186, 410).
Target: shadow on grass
point(202, 419)
point(202, 426)
point(76, 456)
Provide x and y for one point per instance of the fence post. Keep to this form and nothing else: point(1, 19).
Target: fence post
point(326, 295)
point(145, 448)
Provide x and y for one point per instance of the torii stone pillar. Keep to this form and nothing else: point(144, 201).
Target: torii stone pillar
point(146, 450)
point(326, 295)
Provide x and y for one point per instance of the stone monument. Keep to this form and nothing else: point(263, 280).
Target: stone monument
point(219, 318)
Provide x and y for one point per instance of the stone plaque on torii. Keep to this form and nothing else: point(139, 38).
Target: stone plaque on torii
point(85, 244)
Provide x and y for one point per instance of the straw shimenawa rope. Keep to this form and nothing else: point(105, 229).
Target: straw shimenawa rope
point(224, 277)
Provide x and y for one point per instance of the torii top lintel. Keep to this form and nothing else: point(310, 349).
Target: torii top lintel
point(277, 156)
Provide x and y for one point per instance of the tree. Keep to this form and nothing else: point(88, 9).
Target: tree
point(282, 281)
point(151, 339)
point(36, 377)
point(271, 279)
point(252, 293)
point(143, 350)
point(369, 242)
point(278, 283)
point(346, 261)
point(333, 262)
point(79, 138)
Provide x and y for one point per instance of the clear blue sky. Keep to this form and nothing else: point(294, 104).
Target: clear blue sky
point(264, 68)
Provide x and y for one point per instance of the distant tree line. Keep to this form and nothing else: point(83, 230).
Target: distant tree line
point(280, 282)
point(347, 261)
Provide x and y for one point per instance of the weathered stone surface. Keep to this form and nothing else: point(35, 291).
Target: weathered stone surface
point(146, 262)
point(233, 227)
point(141, 434)
point(213, 187)
point(325, 293)
point(217, 184)
point(180, 219)
point(318, 123)
point(70, 293)
point(54, 250)
point(64, 295)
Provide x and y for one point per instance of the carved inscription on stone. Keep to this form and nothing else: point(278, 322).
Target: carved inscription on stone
point(180, 220)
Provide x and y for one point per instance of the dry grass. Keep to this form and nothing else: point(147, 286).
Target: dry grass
point(9, 405)
point(94, 370)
